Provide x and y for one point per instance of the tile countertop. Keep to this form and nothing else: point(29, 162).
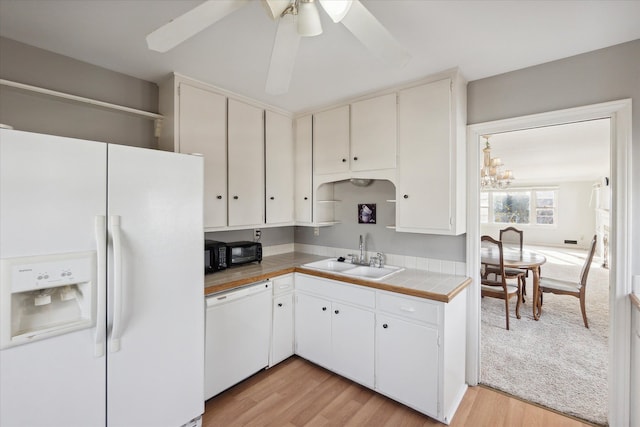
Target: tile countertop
point(419, 283)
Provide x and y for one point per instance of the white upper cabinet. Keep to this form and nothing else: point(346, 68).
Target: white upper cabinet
point(279, 164)
point(430, 191)
point(246, 164)
point(355, 138)
point(373, 133)
point(303, 170)
point(201, 129)
point(331, 141)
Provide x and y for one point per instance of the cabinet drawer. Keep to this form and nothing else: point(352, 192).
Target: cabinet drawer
point(336, 290)
point(282, 284)
point(412, 308)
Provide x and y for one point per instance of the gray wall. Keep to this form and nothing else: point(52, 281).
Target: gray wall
point(269, 236)
point(29, 65)
point(378, 236)
point(599, 76)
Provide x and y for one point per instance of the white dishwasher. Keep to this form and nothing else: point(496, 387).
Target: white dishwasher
point(238, 330)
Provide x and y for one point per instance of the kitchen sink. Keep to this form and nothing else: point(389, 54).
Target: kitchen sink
point(331, 264)
point(360, 271)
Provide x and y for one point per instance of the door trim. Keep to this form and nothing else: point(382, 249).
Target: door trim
point(620, 238)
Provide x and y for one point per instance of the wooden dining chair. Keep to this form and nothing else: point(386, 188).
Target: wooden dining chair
point(499, 287)
point(509, 236)
point(569, 287)
point(512, 235)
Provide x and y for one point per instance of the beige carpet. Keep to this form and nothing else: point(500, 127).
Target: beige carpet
point(556, 361)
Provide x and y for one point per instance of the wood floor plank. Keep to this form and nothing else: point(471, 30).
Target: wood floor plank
point(297, 393)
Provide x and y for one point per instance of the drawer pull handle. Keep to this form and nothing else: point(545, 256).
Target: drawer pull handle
point(279, 304)
point(408, 309)
point(337, 311)
point(385, 326)
point(324, 308)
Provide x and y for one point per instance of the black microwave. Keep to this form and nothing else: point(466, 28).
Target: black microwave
point(243, 252)
point(215, 256)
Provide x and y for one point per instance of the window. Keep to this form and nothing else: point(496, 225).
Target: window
point(545, 207)
point(511, 207)
point(532, 207)
point(484, 207)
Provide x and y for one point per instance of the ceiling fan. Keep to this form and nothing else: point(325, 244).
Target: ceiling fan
point(296, 19)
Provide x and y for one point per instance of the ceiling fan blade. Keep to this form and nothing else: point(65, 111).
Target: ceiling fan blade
point(191, 23)
point(374, 35)
point(283, 56)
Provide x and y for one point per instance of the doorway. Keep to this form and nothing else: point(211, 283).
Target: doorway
point(619, 307)
point(558, 173)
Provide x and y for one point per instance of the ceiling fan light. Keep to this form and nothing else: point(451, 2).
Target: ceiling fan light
point(336, 9)
point(275, 8)
point(308, 19)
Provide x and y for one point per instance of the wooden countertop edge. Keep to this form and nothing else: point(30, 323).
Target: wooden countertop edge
point(376, 285)
point(635, 300)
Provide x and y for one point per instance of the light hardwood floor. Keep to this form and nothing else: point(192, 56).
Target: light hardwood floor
point(299, 393)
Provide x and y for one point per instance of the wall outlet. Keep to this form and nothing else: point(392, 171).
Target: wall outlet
point(316, 231)
point(257, 233)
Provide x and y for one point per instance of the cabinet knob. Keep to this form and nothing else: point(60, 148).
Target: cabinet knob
point(344, 160)
point(324, 308)
point(279, 304)
point(272, 198)
point(337, 311)
point(306, 198)
point(355, 158)
point(235, 197)
point(218, 197)
point(406, 196)
point(385, 326)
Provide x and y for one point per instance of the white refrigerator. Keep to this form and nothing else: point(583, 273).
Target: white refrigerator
point(101, 291)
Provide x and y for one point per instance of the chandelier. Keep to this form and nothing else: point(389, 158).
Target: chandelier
point(493, 174)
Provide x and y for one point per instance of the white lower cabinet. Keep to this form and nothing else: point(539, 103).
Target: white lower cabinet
point(333, 332)
point(282, 322)
point(407, 363)
point(410, 349)
point(313, 329)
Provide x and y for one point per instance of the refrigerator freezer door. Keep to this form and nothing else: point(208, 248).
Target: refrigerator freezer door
point(155, 375)
point(51, 189)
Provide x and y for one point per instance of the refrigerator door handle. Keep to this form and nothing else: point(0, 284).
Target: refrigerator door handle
point(101, 306)
point(116, 331)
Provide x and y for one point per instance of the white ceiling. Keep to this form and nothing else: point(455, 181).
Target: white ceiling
point(554, 154)
point(483, 38)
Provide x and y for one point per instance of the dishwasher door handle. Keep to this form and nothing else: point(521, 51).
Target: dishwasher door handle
point(236, 294)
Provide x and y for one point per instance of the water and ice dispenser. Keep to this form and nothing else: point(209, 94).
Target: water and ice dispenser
point(43, 296)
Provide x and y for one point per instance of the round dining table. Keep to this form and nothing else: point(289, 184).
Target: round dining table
point(522, 259)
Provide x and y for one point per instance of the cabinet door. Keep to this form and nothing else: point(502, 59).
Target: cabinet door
point(203, 130)
point(407, 363)
point(352, 343)
point(313, 329)
point(331, 141)
point(374, 133)
point(246, 164)
point(279, 168)
point(303, 170)
point(282, 333)
point(425, 185)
